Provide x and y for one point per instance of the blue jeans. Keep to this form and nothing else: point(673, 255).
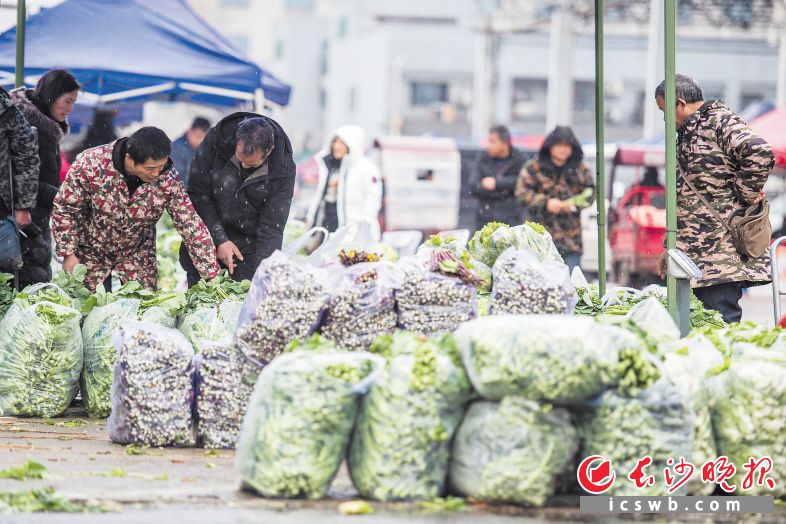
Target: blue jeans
point(572, 260)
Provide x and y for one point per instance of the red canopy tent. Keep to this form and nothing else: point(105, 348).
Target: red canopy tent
point(772, 127)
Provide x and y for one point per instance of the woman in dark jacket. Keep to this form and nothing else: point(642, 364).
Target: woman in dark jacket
point(46, 108)
point(547, 184)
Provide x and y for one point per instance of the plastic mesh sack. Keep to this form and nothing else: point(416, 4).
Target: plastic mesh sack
point(152, 392)
point(552, 358)
point(286, 302)
point(40, 357)
point(219, 405)
point(512, 451)
point(658, 422)
point(298, 424)
point(100, 353)
point(431, 303)
point(206, 324)
point(362, 306)
point(400, 447)
point(535, 237)
point(650, 316)
point(523, 284)
point(749, 414)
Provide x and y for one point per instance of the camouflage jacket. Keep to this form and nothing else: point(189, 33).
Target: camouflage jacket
point(109, 230)
point(18, 148)
point(729, 164)
point(540, 182)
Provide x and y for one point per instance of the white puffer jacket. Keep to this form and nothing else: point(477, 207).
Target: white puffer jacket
point(359, 182)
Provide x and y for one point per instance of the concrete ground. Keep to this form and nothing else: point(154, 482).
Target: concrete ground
point(180, 486)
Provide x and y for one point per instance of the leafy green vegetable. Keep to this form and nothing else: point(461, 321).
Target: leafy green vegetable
point(29, 470)
point(553, 358)
point(168, 240)
point(210, 323)
point(511, 451)
point(40, 354)
point(7, 292)
point(656, 423)
point(44, 500)
point(582, 200)
point(162, 307)
point(444, 505)
point(400, 447)
point(74, 285)
point(299, 421)
point(355, 507)
point(315, 342)
point(725, 338)
point(208, 293)
point(491, 241)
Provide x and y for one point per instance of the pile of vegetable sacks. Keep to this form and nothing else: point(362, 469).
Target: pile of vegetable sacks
point(108, 312)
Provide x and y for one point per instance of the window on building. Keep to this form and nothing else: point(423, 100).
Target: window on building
point(300, 4)
point(428, 93)
point(351, 99)
point(343, 24)
point(755, 94)
point(323, 58)
point(584, 101)
point(279, 49)
point(236, 3)
point(528, 100)
point(322, 98)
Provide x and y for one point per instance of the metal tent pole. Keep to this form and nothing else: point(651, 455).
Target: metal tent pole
point(669, 19)
point(20, 43)
point(600, 154)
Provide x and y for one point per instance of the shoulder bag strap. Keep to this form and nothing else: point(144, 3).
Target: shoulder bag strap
point(701, 197)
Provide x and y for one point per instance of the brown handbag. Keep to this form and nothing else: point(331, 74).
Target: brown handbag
point(750, 226)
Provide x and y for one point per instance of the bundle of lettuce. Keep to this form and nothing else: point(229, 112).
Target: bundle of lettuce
point(495, 238)
point(462, 255)
point(511, 451)
point(40, 353)
point(401, 443)
point(107, 312)
point(73, 284)
point(299, 421)
point(212, 309)
point(7, 292)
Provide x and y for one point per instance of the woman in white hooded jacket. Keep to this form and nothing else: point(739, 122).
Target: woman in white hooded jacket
point(349, 188)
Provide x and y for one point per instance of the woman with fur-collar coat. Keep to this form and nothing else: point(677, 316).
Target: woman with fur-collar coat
point(46, 108)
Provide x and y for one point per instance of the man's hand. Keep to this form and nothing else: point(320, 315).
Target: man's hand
point(69, 262)
point(227, 252)
point(662, 265)
point(489, 183)
point(568, 207)
point(555, 206)
point(22, 217)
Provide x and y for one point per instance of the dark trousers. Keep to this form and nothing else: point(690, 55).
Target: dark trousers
point(572, 260)
point(724, 298)
point(244, 270)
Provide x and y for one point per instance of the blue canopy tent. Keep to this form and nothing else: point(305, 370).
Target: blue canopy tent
point(138, 50)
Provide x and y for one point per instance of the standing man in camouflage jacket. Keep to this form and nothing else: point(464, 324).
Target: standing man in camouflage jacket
point(18, 152)
point(729, 165)
point(106, 211)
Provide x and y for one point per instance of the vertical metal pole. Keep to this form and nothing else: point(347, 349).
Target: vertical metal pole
point(20, 42)
point(600, 142)
point(669, 19)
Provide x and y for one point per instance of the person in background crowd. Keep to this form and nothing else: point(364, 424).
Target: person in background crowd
point(349, 188)
point(650, 178)
point(241, 183)
point(547, 184)
point(728, 164)
point(185, 147)
point(19, 164)
point(46, 108)
point(106, 211)
point(100, 132)
point(494, 178)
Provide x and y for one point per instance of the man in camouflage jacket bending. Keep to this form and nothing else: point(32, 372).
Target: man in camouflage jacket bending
point(106, 211)
point(729, 165)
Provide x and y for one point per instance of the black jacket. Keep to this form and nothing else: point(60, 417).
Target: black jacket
point(250, 211)
point(499, 205)
point(37, 245)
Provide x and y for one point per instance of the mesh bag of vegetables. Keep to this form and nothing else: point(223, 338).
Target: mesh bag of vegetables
point(685, 364)
point(152, 391)
point(511, 451)
point(219, 405)
point(400, 447)
point(523, 284)
point(40, 353)
point(97, 332)
point(286, 302)
point(553, 358)
point(298, 423)
point(749, 416)
point(535, 237)
point(362, 306)
point(658, 422)
point(7, 292)
point(487, 244)
point(432, 300)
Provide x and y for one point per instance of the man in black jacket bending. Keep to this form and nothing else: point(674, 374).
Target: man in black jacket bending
point(241, 184)
point(494, 179)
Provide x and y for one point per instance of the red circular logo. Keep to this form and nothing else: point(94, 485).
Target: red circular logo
point(596, 475)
